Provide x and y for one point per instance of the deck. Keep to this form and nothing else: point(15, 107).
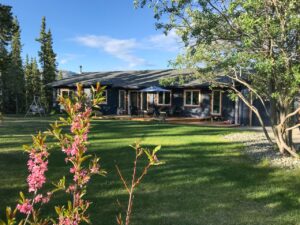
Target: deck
point(174, 120)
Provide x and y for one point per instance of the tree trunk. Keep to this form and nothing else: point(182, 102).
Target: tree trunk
point(283, 138)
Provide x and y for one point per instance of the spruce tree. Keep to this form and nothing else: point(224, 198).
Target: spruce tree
point(6, 25)
point(60, 75)
point(47, 59)
point(27, 73)
point(16, 72)
point(33, 80)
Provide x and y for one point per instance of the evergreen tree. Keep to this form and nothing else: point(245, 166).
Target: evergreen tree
point(6, 25)
point(60, 75)
point(47, 59)
point(33, 80)
point(16, 72)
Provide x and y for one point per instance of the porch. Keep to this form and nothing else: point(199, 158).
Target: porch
point(207, 121)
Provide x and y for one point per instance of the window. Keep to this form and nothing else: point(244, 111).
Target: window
point(216, 103)
point(191, 98)
point(164, 98)
point(65, 93)
point(122, 96)
point(88, 92)
point(104, 94)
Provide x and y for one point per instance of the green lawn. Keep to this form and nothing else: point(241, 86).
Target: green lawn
point(206, 180)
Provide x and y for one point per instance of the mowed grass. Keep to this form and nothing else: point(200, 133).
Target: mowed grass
point(206, 179)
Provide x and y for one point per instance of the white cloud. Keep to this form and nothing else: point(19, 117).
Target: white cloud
point(120, 48)
point(67, 57)
point(170, 42)
point(125, 49)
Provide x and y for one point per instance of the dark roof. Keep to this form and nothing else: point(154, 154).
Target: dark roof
point(125, 79)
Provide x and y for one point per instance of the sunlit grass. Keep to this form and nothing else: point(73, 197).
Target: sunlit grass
point(206, 179)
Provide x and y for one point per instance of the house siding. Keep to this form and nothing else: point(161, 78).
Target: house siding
point(177, 107)
point(111, 106)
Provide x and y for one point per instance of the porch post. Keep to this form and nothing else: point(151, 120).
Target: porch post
point(236, 111)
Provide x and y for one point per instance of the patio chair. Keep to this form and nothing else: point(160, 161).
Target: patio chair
point(133, 110)
point(120, 111)
point(161, 117)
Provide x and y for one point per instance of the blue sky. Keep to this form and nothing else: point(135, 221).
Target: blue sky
point(97, 34)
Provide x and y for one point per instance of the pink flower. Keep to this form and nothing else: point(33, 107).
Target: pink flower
point(72, 170)
point(47, 198)
point(95, 169)
point(37, 166)
point(67, 150)
point(38, 198)
point(25, 208)
point(71, 188)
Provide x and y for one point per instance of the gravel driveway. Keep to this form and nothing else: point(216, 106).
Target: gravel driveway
point(258, 148)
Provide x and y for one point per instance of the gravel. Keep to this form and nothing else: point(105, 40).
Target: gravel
point(258, 148)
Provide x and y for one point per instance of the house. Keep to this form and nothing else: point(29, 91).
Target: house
point(190, 99)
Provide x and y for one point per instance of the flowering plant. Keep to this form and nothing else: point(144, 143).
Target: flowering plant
point(83, 166)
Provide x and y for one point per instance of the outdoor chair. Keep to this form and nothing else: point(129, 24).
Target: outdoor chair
point(161, 117)
point(149, 111)
point(133, 110)
point(121, 111)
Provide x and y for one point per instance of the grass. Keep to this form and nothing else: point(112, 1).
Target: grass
point(206, 179)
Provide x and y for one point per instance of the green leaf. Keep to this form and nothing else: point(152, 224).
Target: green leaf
point(22, 196)
point(156, 149)
point(85, 158)
point(57, 210)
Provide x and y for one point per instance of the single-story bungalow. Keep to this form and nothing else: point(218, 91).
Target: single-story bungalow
point(124, 95)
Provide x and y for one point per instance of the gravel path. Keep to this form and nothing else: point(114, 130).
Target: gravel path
point(258, 148)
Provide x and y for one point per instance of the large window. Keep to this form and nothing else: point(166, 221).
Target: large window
point(66, 93)
point(164, 98)
point(122, 99)
point(216, 104)
point(191, 98)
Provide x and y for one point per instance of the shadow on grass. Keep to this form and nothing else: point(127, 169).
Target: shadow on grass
point(205, 180)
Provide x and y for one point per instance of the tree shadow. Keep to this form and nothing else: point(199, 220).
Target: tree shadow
point(206, 179)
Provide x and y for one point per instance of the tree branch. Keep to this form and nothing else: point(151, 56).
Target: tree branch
point(123, 179)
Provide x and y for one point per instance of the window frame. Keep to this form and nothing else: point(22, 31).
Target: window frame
point(212, 103)
point(142, 100)
point(192, 90)
point(164, 98)
point(61, 90)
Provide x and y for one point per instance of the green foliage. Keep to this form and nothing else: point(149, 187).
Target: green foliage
point(258, 36)
point(60, 75)
point(32, 80)
point(6, 21)
point(12, 82)
point(16, 80)
point(47, 59)
point(255, 44)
